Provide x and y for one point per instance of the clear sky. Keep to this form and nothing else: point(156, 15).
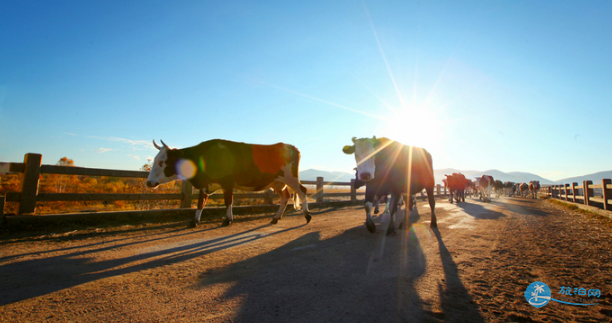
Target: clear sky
point(508, 85)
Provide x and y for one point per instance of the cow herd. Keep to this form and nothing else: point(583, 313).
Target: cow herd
point(386, 168)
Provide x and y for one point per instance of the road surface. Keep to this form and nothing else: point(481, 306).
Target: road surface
point(474, 268)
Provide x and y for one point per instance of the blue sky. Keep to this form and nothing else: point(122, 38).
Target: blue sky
point(508, 85)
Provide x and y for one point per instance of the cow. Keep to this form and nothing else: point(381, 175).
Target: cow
point(359, 183)
point(227, 165)
point(509, 188)
point(456, 184)
point(470, 187)
point(484, 184)
point(499, 187)
point(383, 164)
point(524, 189)
point(534, 187)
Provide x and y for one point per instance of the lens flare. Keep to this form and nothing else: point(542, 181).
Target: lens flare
point(186, 168)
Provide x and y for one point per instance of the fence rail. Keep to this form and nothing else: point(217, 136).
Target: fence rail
point(31, 169)
point(597, 195)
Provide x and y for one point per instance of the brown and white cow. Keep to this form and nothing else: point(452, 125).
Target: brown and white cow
point(534, 187)
point(227, 165)
point(524, 189)
point(383, 164)
point(485, 184)
point(456, 184)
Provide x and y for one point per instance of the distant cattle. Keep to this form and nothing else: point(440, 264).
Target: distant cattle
point(226, 165)
point(383, 163)
point(470, 187)
point(524, 189)
point(499, 187)
point(509, 188)
point(485, 184)
point(456, 184)
point(534, 187)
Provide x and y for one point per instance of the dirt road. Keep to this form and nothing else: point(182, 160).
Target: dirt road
point(474, 268)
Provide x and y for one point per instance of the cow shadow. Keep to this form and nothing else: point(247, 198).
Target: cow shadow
point(456, 302)
point(40, 276)
point(353, 277)
point(479, 212)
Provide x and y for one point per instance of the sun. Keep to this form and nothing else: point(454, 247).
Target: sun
point(415, 126)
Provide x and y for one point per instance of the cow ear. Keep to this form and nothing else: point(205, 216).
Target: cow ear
point(349, 149)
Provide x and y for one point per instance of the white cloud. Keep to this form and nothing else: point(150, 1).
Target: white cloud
point(136, 144)
point(104, 150)
point(135, 157)
point(68, 133)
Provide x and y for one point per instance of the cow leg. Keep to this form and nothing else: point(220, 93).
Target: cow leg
point(228, 195)
point(432, 205)
point(369, 197)
point(285, 195)
point(300, 192)
point(202, 199)
point(393, 205)
point(377, 203)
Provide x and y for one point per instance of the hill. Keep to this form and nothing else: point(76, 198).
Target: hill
point(517, 177)
point(595, 177)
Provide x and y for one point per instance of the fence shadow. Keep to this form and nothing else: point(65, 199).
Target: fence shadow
point(32, 278)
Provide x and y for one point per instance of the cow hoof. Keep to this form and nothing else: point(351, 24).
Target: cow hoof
point(375, 211)
point(371, 226)
point(193, 223)
point(274, 221)
point(226, 223)
point(391, 231)
point(308, 218)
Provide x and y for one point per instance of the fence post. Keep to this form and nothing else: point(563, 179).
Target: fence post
point(353, 191)
point(29, 183)
point(574, 191)
point(1, 207)
point(588, 192)
point(187, 191)
point(319, 189)
point(607, 193)
point(566, 191)
point(438, 189)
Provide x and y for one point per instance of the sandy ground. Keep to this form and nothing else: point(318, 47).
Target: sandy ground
point(474, 268)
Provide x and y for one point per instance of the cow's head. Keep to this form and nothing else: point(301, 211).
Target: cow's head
point(364, 150)
point(163, 169)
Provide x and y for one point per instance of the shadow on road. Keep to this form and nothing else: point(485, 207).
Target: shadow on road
point(480, 212)
point(456, 302)
point(346, 278)
point(31, 278)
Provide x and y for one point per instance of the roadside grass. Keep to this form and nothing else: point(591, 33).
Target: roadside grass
point(590, 214)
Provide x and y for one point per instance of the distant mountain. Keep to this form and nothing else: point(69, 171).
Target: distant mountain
point(312, 174)
point(596, 178)
point(517, 177)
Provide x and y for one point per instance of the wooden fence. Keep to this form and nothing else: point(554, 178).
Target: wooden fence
point(31, 169)
point(597, 195)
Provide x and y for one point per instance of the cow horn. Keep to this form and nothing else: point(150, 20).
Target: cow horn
point(163, 143)
point(354, 139)
point(156, 146)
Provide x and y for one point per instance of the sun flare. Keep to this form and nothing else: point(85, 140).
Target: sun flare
point(418, 127)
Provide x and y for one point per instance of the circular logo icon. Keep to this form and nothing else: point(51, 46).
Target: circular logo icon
point(537, 294)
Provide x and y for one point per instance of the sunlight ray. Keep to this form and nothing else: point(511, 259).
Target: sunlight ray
point(326, 102)
point(382, 52)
